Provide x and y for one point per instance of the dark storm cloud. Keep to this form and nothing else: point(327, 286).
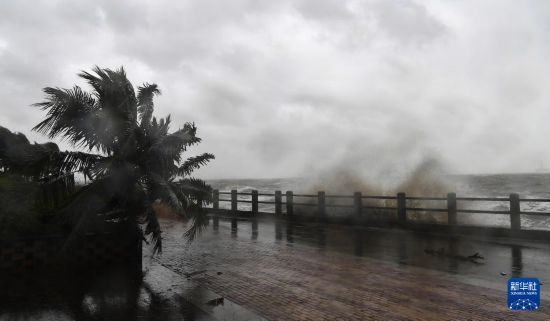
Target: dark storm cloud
point(407, 22)
point(281, 88)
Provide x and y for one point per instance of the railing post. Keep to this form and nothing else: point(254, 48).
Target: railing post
point(200, 203)
point(216, 223)
point(401, 207)
point(451, 209)
point(254, 235)
point(216, 199)
point(321, 206)
point(254, 202)
point(278, 202)
point(515, 220)
point(357, 205)
point(234, 227)
point(234, 201)
point(289, 205)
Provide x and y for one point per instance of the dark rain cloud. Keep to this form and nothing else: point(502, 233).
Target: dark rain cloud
point(283, 88)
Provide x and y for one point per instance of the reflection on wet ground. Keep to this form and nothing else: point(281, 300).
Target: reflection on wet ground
point(246, 261)
point(295, 271)
point(499, 257)
point(109, 295)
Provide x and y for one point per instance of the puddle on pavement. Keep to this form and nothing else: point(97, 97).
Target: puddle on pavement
point(456, 255)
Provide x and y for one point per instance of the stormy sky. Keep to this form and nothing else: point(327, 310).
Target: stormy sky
point(289, 88)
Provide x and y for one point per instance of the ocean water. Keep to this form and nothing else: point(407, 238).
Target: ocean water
point(528, 186)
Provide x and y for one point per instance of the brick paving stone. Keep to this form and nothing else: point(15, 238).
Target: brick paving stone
point(293, 281)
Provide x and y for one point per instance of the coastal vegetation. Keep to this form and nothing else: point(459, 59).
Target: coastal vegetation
point(125, 160)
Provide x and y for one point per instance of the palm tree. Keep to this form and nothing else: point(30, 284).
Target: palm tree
point(130, 159)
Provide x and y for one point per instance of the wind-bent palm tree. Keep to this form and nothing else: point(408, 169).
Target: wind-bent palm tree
point(136, 163)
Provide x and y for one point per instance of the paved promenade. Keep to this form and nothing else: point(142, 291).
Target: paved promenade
point(292, 272)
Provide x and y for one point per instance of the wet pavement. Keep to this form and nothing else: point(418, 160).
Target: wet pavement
point(114, 294)
point(286, 271)
point(275, 270)
point(109, 295)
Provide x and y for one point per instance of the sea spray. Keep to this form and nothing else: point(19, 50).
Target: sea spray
point(429, 178)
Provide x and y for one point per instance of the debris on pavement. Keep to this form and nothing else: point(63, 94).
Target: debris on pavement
point(441, 252)
point(215, 302)
point(188, 275)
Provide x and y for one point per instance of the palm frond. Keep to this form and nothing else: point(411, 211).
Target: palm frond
point(74, 114)
point(193, 163)
point(145, 96)
point(199, 193)
point(162, 190)
point(200, 221)
point(96, 80)
point(173, 145)
point(158, 129)
point(115, 98)
point(152, 228)
point(91, 165)
point(120, 97)
point(196, 189)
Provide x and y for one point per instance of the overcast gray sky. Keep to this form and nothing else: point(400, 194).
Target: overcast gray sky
point(287, 88)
